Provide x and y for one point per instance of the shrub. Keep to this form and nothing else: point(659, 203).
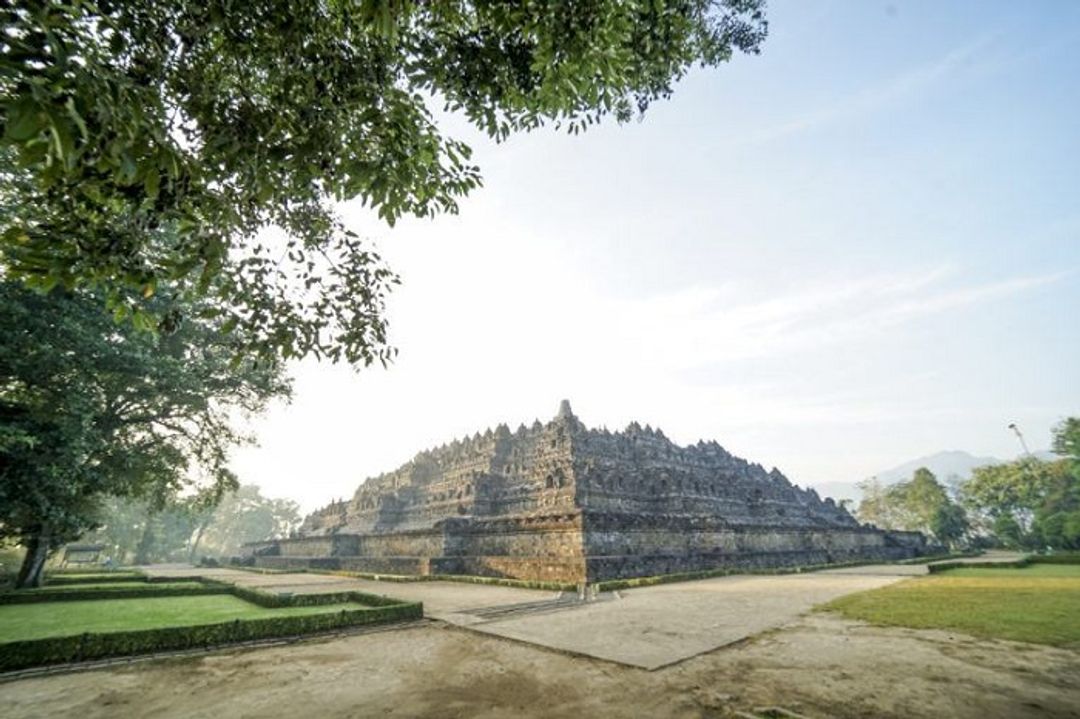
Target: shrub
point(54, 580)
point(501, 582)
point(76, 593)
point(1060, 558)
point(59, 650)
point(945, 566)
point(269, 600)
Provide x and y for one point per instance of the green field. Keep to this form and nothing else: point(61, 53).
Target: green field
point(36, 621)
point(1039, 603)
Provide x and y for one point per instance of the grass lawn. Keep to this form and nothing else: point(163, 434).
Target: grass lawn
point(1039, 603)
point(36, 621)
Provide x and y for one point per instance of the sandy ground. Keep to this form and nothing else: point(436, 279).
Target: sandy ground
point(820, 666)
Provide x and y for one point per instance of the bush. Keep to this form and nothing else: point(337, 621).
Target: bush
point(462, 578)
point(268, 600)
point(53, 580)
point(1059, 558)
point(946, 566)
point(76, 593)
point(501, 582)
point(60, 650)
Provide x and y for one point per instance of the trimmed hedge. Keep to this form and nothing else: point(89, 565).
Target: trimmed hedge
point(374, 576)
point(76, 594)
point(268, 600)
point(261, 570)
point(409, 578)
point(56, 580)
point(941, 557)
point(1062, 558)
point(62, 650)
point(619, 584)
point(501, 582)
point(946, 566)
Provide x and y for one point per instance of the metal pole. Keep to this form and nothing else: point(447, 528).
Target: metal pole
point(1020, 436)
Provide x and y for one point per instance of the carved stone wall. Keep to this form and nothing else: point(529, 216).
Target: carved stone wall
point(561, 501)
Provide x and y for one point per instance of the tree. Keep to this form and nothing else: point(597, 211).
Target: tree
point(920, 504)
point(91, 409)
point(1057, 520)
point(1009, 532)
point(1013, 497)
point(246, 516)
point(949, 523)
point(187, 527)
point(1067, 442)
point(918, 500)
point(150, 142)
point(1032, 503)
point(874, 507)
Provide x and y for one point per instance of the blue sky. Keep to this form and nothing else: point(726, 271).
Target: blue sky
point(859, 247)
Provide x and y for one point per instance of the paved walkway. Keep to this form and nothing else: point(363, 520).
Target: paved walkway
point(646, 627)
point(440, 598)
point(652, 627)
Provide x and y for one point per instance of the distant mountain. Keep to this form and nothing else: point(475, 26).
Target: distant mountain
point(947, 466)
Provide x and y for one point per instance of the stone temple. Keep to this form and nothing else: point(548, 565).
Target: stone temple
point(562, 502)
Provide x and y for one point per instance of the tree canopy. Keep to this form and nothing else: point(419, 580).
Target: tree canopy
point(919, 504)
point(151, 141)
point(1012, 496)
point(91, 409)
point(185, 529)
point(1028, 503)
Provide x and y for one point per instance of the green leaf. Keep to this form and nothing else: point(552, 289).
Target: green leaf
point(25, 120)
point(152, 183)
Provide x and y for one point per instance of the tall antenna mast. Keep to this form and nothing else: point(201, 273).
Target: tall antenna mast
point(1020, 437)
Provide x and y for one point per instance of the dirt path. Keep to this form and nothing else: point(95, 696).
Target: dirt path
point(821, 666)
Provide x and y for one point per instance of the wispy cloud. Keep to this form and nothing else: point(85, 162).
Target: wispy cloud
point(695, 328)
point(879, 97)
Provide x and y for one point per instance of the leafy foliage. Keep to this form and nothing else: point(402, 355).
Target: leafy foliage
point(920, 504)
point(1017, 498)
point(91, 409)
point(1030, 503)
point(949, 523)
point(246, 516)
point(154, 142)
point(135, 530)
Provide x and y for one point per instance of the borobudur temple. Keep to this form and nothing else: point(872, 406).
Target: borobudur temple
point(562, 502)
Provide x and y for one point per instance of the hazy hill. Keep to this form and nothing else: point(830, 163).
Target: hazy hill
point(947, 465)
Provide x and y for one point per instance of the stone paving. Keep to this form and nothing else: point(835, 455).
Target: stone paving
point(440, 598)
point(652, 627)
point(646, 627)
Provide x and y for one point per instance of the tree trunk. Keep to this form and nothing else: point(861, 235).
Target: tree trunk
point(32, 570)
point(146, 543)
point(198, 538)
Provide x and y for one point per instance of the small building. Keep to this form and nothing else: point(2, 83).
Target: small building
point(82, 554)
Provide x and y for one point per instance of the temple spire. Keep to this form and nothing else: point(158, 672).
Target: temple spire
point(564, 410)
